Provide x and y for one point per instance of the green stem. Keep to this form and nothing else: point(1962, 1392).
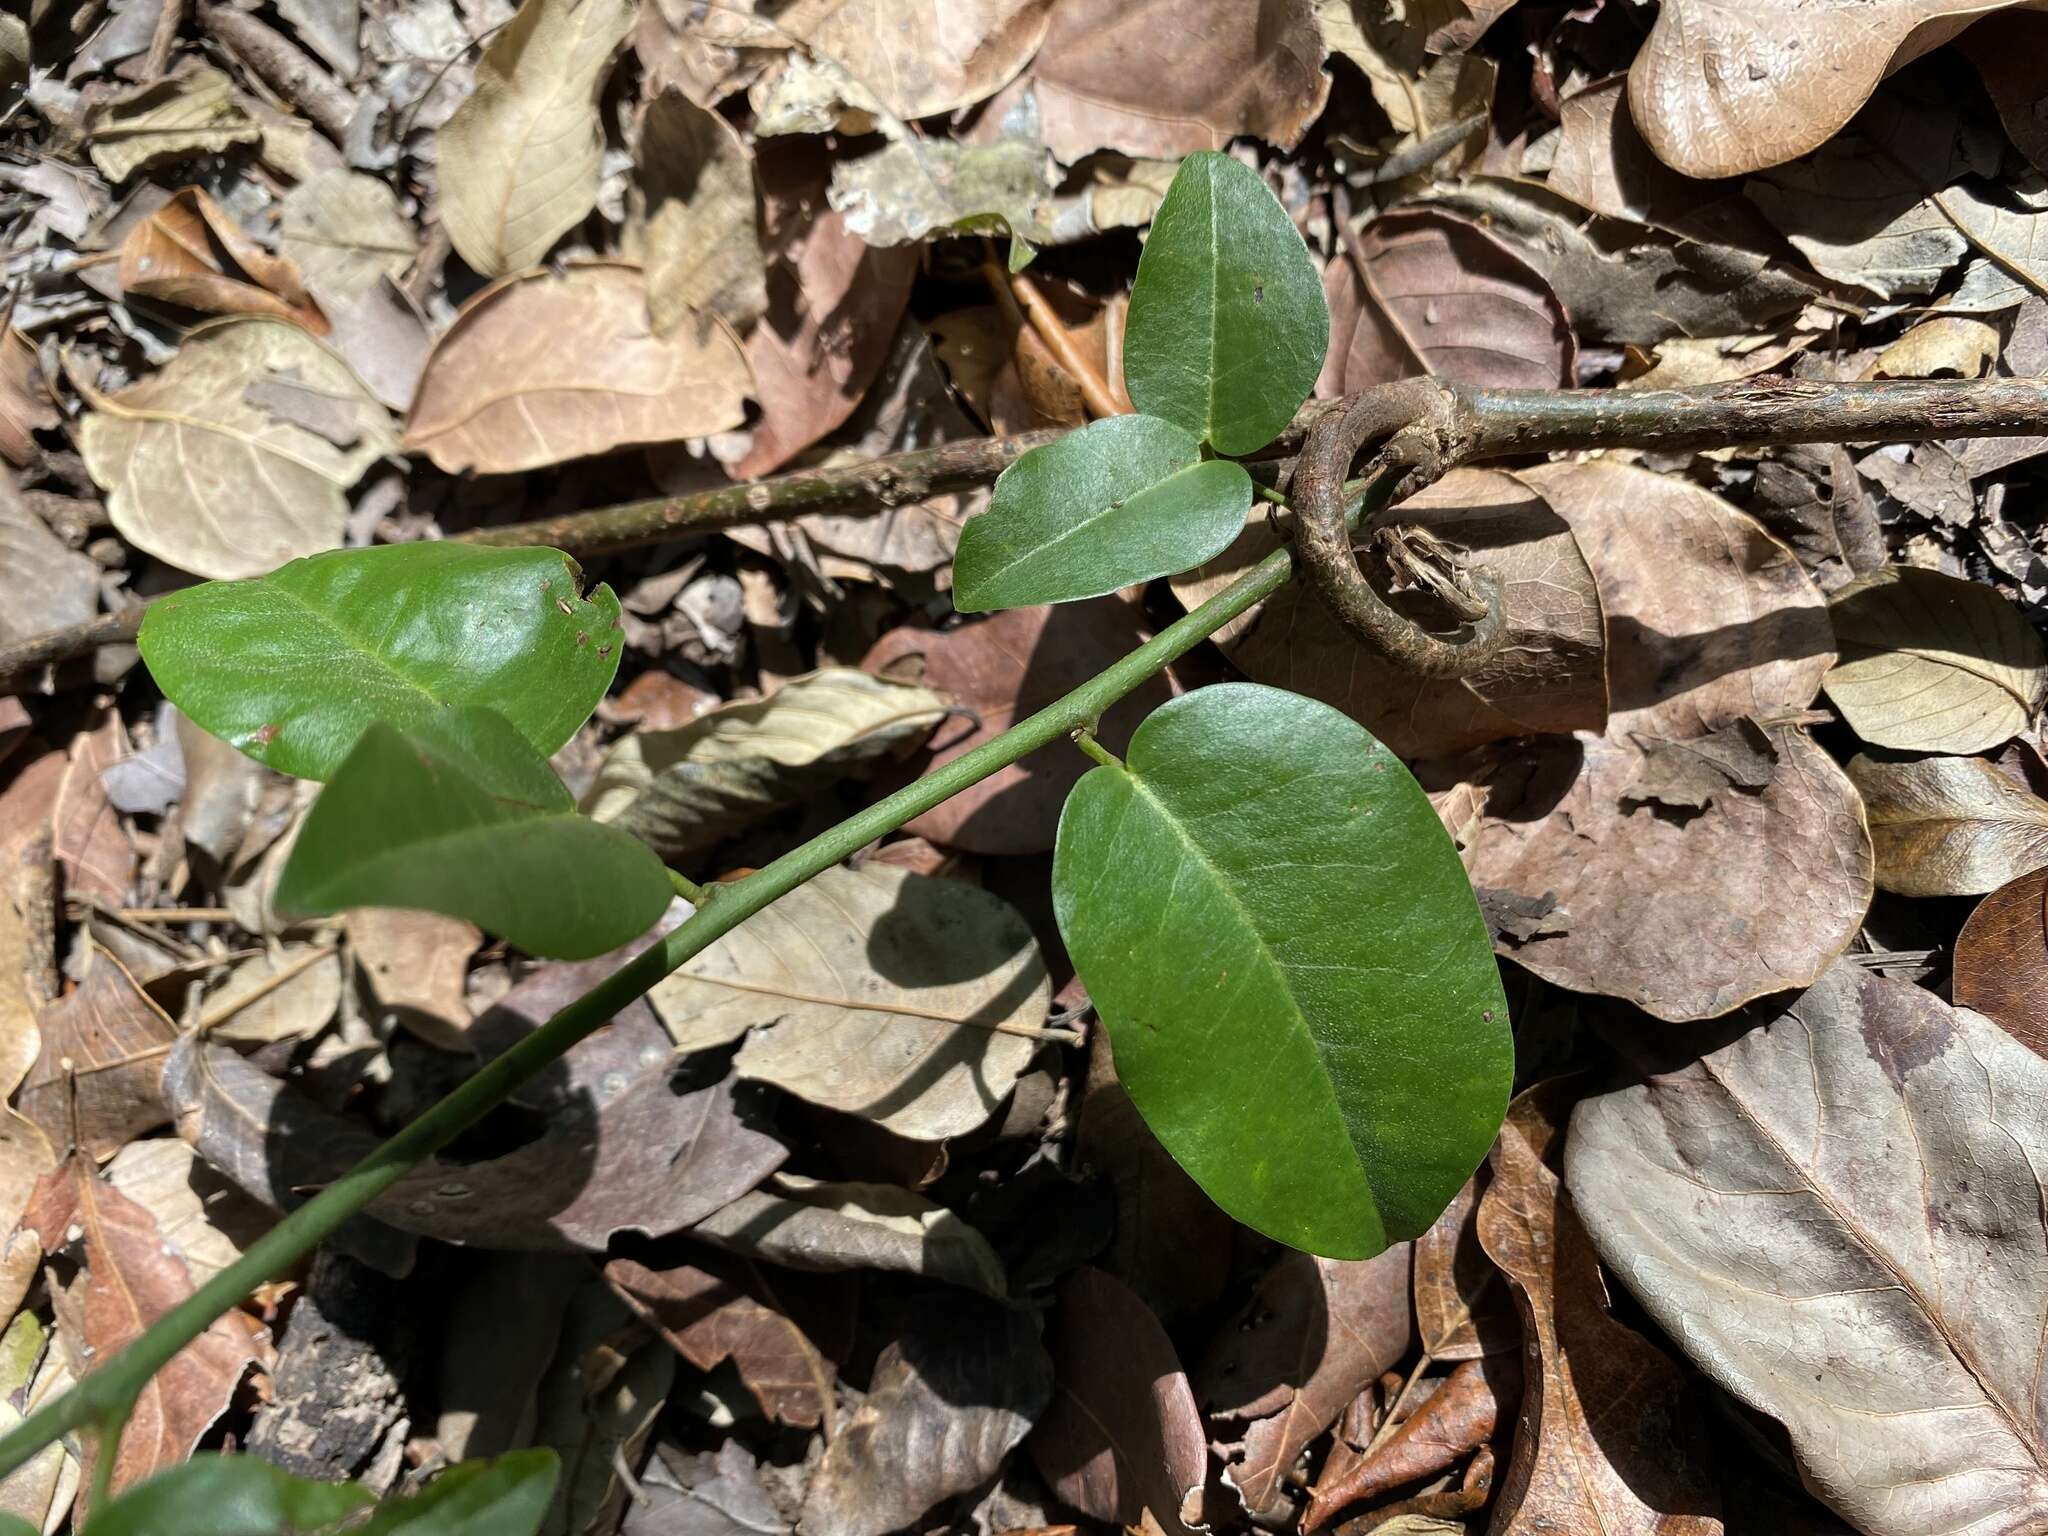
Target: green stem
point(696, 895)
point(107, 1394)
point(1085, 740)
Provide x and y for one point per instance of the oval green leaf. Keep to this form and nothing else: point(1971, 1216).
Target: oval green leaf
point(290, 667)
point(1298, 986)
point(214, 1495)
point(1228, 325)
point(1120, 501)
point(462, 817)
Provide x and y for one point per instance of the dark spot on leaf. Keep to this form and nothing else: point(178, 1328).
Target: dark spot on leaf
point(1258, 293)
point(581, 638)
point(265, 735)
point(604, 652)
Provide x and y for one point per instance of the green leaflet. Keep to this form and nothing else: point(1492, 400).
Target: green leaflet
point(1120, 501)
point(1228, 325)
point(290, 667)
point(1300, 991)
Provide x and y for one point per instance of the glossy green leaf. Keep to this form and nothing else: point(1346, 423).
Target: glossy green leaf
point(1120, 501)
point(227, 1496)
point(462, 817)
point(1300, 993)
point(14, 1525)
point(1228, 325)
point(505, 1497)
point(291, 667)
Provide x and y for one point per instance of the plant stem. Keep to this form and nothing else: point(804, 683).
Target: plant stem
point(107, 1393)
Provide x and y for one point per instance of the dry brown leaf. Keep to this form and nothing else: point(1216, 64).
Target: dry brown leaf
point(1423, 88)
point(25, 1156)
point(130, 1280)
point(189, 252)
point(20, 1042)
point(520, 159)
point(502, 393)
point(201, 1217)
point(285, 993)
point(213, 481)
point(49, 585)
point(345, 231)
point(699, 236)
point(1611, 1436)
point(193, 112)
point(1726, 87)
point(104, 1048)
point(826, 1226)
point(1549, 677)
point(2001, 960)
point(416, 964)
point(1461, 1309)
point(833, 307)
point(2007, 50)
point(1949, 826)
point(1709, 621)
point(41, 1490)
point(1959, 346)
point(25, 404)
point(2009, 225)
point(1003, 668)
point(85, 831)
point(1110, 76)
point(1455, 1420)
point(1932, 663)
point(918, 58)
point(1441, 296)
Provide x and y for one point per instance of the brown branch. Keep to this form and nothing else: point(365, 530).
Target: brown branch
point(282, 66)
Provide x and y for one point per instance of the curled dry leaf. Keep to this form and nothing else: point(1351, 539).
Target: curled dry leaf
point(501, 392)
point(2001, 960)
point(1548, 678)
point(700, 234)
point(681, 791)
point(1839, 1217)
point(1461, 1309)
point(345, 231)
point(519, 160)
point(194, 112)
point(25, 404)
point(1931, 663)
point(1722, 89)
point(95, 1082)
point(1949, 826)
point(85, 834)
point(1123, 1440)
point(817, 1224)
point(208, 469)
point(1003, 668)
point(130, 1280)
point(189, 252)
point(1455, 1420)
point(1439, 295)
point(1611, 1436)
point(1315, 1334)
point(875, 991)
point(1110, 77)
point(1709, 621)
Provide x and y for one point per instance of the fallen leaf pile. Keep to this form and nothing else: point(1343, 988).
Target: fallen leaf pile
point(848, 1227)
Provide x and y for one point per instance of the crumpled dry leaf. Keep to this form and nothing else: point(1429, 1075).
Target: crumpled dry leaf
point(1111, 77)
point(1003, 668)
point(501, 392)
point(1949, 826)
point(1725, 87)
point(415, 964)
point(1931, 663)
point(1423, 87)
point(189, 252)
point(1454, 1421)
point(1315, 1334)
point(699, 236)
point(2001, 960)
point(876, 992)
point(948, 1402)
point(1839, 1217)
point(180, 450)
point(1611, 1436)
point(1122, 1439)
point(817, 1224)
point(1441, 296)
point(912, 188)
point(1812, 499)
point(130, 1280)
point(25, 1156)
point(344, 230)
point(1709, 621)
point(597, 1406)
point(519, 160)
point(95, 1081)
point(25, 404)
point(49, 585)
point(86, 835)
point(683, 790)
point(1549, 676)
point(39, 1491)
point(918, 58)
point(190, 113)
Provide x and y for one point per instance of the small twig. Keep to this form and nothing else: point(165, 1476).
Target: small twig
point(1059, 341)
point(1392, 1421)
point(162, 40)
point(220, 1013)
point(280, 64)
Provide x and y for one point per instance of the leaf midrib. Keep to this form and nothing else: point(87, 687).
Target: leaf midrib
point(1074, 530)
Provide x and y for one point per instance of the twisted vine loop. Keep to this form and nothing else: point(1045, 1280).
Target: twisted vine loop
point(1416, 427)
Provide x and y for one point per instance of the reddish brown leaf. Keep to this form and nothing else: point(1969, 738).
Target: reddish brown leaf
point(87, 834)
point(1123, 1438)
point(101, 1064)
point(1610, 1437)
point(131, 1278)
point(25, 406)
point(190, 253)
point(1456, 1420)
point(1003, 668)
point(2001, 960)
point(1461, 1308)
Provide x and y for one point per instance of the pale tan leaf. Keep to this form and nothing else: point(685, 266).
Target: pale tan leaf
point(906, 191)
point(203, 1218)
point(86, 834)
point(1859, 216)
point(204, 478)
point(700, 236)
point(416, 964)
point(193, 112)
point(818, 1224)
point(519, 160)
point(1959, 345)
point(287, 993)
point(1932, 663)
point(2008, 224)
point(49, 585)
point(874, 991)
point(189, 252)
point(502, 393)
point(345, 231)
point(39, 1491)
point(919, 58)
point(1422, 89)
point(1949, 826)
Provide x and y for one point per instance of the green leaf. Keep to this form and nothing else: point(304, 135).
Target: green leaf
point(290, 667)
point(1299, 990)
point(462, 817)
point(227, 1496)
point(505, 1497)
point(1120, 501)
point(14, 1525)
point(1228, 325)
